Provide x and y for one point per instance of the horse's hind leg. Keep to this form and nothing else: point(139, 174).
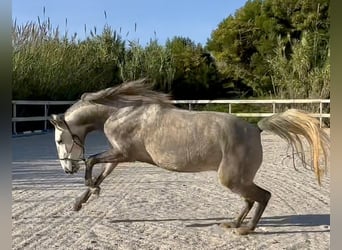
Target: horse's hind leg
point(237, 173)
point(259, 195)
point(238, 221)
point(252, 193)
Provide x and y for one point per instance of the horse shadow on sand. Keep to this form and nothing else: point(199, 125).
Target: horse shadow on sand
point(302, 223)
point(315, 223)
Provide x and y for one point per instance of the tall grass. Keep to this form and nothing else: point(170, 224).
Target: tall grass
point(50, 65)
point(306, 72)
point(153, 62)
point(47, 65)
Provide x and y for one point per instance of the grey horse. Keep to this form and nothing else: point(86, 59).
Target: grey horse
point(142, 125)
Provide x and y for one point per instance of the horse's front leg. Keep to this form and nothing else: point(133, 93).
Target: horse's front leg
point(107, 170)
point(96, 187)
point(110, 156)
point(89, 164)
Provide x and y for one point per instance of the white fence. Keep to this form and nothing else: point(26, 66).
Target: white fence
point(190, 103)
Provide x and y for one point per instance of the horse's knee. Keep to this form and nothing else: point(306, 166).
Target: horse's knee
point(89, 182)
point(90, 162)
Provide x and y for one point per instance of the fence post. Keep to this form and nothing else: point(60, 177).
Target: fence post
point(273, 107)
point(320, 113)
point(45, 115)
point(14, 115)
point(189, 106)
point(229, 108)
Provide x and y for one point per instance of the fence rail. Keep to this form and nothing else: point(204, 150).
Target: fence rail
point(46, 104)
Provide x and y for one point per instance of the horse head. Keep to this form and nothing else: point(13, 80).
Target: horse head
point(69, 145)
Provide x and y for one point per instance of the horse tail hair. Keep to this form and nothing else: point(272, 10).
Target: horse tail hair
point(292, 125)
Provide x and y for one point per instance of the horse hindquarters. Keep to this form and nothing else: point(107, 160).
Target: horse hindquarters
point(237, 171)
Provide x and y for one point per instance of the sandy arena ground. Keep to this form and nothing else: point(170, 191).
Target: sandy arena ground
point(145, 207)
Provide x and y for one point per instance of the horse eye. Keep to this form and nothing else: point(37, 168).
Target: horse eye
point(59, 141)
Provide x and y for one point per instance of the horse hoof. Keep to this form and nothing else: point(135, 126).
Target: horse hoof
point(77, 206)
point(243, 230)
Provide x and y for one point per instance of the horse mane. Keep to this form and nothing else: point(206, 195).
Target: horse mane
point(129, 93)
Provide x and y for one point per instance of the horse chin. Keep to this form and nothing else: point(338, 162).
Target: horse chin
point(72, 169)
point(75, 168)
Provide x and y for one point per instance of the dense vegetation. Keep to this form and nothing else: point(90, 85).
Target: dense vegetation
point(268, 48)
point(279, 47)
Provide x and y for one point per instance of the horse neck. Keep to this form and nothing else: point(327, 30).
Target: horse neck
point(88, 118)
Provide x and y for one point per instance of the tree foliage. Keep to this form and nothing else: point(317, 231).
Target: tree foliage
point(253, 46)
point(196, 75)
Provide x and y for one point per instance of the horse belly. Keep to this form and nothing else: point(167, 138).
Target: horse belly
point(186, 141)
point(187, 157)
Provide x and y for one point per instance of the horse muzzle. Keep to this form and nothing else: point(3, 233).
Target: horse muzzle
point(72, 171)
point(72, 168)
